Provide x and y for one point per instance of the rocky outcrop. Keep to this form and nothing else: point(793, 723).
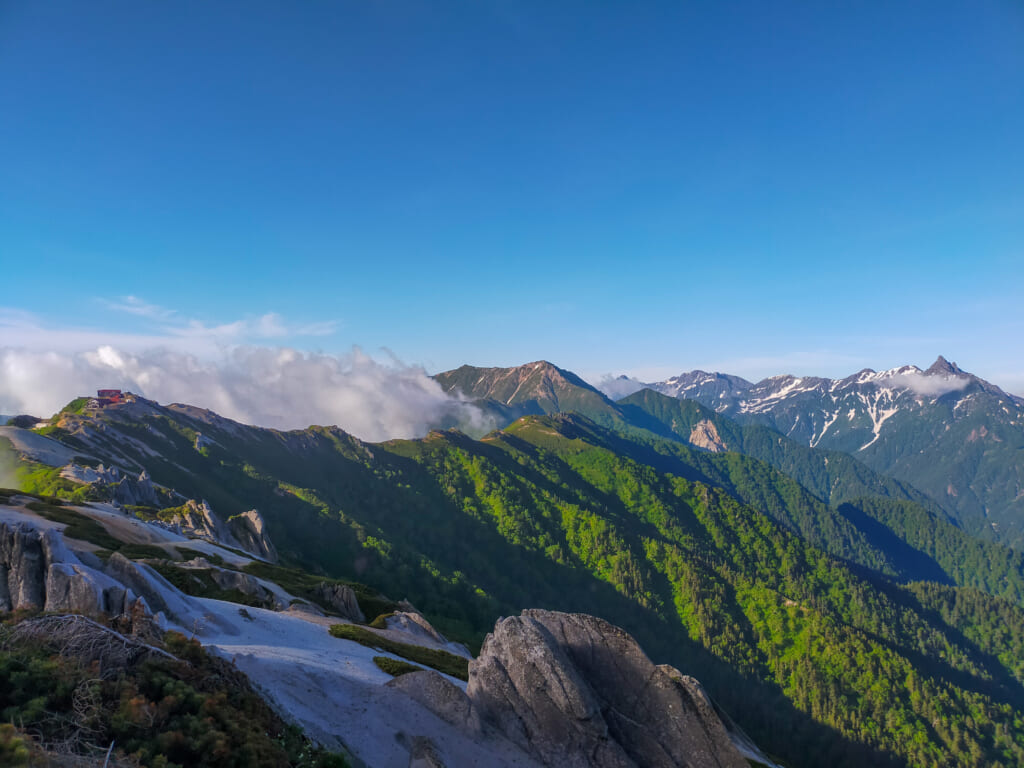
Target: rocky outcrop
point(415, 625)
point(22, 567)
point(144, 490)
point(246, 531)
point(249, 530)
point(710, 712)
point(246, 584)
point(705, 435)
point(130, 573)
point(112, 483)
point(198, 521)
point(442, 697)
point(573, 690)
point(37, 571)
point(342, 598)
point(410, 626)
point(76, 588)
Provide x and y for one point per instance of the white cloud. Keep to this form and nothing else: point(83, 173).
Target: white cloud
point(171, 323)
point(133, 305)
point(275, 387)
point(932, 385)
point(166, 329)
point(268, 326)
point(618, 387)
point(223, 367)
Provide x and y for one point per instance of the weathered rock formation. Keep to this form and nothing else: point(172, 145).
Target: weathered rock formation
point(442, 697)
point(246, 531)
point(705, 435)
point(410, 626)
point(38, 571)
point(710, 711)
point(237, 581)
point(342, 598)
point(198, 521)
point(112, 483)
point(249, 530)
point(572, 690)
point(414, 624)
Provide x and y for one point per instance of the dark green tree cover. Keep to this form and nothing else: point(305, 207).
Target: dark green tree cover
point(927, 541)
point(898, 537)
point(819, 651)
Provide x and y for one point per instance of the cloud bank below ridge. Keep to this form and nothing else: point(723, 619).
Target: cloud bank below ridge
point(273, 387)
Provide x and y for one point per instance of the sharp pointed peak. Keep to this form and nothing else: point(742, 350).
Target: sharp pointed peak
point(942, 366)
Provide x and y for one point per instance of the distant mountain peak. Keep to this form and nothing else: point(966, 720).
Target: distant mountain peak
point(942, 366)
point(537, 387)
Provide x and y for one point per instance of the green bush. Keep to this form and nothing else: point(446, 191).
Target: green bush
point(13, 750)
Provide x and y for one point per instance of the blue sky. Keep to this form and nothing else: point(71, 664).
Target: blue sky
point(635, 188)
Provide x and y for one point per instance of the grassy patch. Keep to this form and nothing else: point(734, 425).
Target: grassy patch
point(381, 622)
point(394, 667)
point(75, 406)
point(442, 661)
point(78, 525)
point(199, 582)
point(84, 528)
point(42, 480)
point(169, 513)
point(143, 551)
point(142, 511)
point(303, 584)
point(192, 554)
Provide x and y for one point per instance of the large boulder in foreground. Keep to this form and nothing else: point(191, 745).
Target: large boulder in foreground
point(577, 692)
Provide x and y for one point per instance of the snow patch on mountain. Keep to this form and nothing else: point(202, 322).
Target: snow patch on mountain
point(879, 416)
point(829, 421)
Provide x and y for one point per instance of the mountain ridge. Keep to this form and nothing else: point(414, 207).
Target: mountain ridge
point(701, 555)
point(951, 434)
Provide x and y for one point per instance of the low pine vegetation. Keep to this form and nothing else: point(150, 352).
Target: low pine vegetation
point(171, 706)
